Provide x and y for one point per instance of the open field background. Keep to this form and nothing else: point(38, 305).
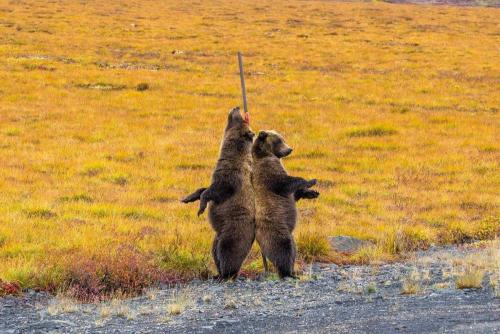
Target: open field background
point(394, 108)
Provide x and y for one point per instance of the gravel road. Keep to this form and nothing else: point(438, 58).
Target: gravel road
point(328, 299)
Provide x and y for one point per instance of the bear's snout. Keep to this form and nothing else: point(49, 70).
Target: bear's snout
point(286, 152)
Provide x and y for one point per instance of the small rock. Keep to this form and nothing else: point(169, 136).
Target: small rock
point(346, 244)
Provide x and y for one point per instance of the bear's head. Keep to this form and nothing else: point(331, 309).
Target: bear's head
point(238, 130)
point(271, 143)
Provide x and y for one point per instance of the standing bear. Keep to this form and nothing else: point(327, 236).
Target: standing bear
point(232, 202)
point(275, 196)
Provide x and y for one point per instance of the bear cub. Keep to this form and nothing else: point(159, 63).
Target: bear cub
point(275, 195)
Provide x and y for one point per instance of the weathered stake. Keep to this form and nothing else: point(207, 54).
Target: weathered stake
point(242, 78)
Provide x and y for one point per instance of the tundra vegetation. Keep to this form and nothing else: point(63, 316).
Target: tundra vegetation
point(110, 112)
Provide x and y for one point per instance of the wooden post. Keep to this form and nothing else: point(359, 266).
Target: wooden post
point(242, 78)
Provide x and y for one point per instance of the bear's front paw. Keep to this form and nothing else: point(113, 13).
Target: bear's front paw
point(311, 183)
point(200, 211)
point(310, 194)
point(187, 199)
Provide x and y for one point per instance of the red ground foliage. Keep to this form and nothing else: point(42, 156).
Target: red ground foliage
point(9, 288)
point(124, 271)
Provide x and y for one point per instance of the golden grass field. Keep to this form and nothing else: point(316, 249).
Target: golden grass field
point(393, 108)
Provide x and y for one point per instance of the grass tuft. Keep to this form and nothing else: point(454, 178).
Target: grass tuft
point(471, 278)
point(101, 86)
point(230, 304)
point(92, 169)
point(41, 213)
point(402, 239)
point(376, 131)
point(371, 288)
point(312, 247)
point(62, 305)
point(142, 87)
point(410, 287)
point(119, 179)
point(179, 301)
point(81, 197)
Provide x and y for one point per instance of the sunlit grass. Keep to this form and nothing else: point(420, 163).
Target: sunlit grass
point(470, 279)
point(394, 109)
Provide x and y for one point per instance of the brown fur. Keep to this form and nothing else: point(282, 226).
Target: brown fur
point(232, 208)
point(275, 196)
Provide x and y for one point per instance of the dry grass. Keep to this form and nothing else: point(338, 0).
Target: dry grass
point(393, 108)
point(179, 301)
point(410, 287)
point(412, 284)
point(469, 272)
point(60, 305)
point(471, 278)
point(307, 275)
point(442, 285)
point(495, 283)
point(116, 308)
point(312, 245)
point(152, 294)
point(230, 304)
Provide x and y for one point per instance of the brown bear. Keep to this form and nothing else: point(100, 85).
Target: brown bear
point(232, 202)
point(275, 195)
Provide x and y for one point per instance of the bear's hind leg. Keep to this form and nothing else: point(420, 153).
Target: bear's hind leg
point(232, 252)
point(282, 255)
point(215, 255)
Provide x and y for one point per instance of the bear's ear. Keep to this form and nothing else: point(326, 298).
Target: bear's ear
point(234, 118)
point(262, 135)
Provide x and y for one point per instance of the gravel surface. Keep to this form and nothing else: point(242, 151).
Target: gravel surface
point(327, 299)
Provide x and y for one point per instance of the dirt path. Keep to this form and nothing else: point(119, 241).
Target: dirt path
point(350, 299)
